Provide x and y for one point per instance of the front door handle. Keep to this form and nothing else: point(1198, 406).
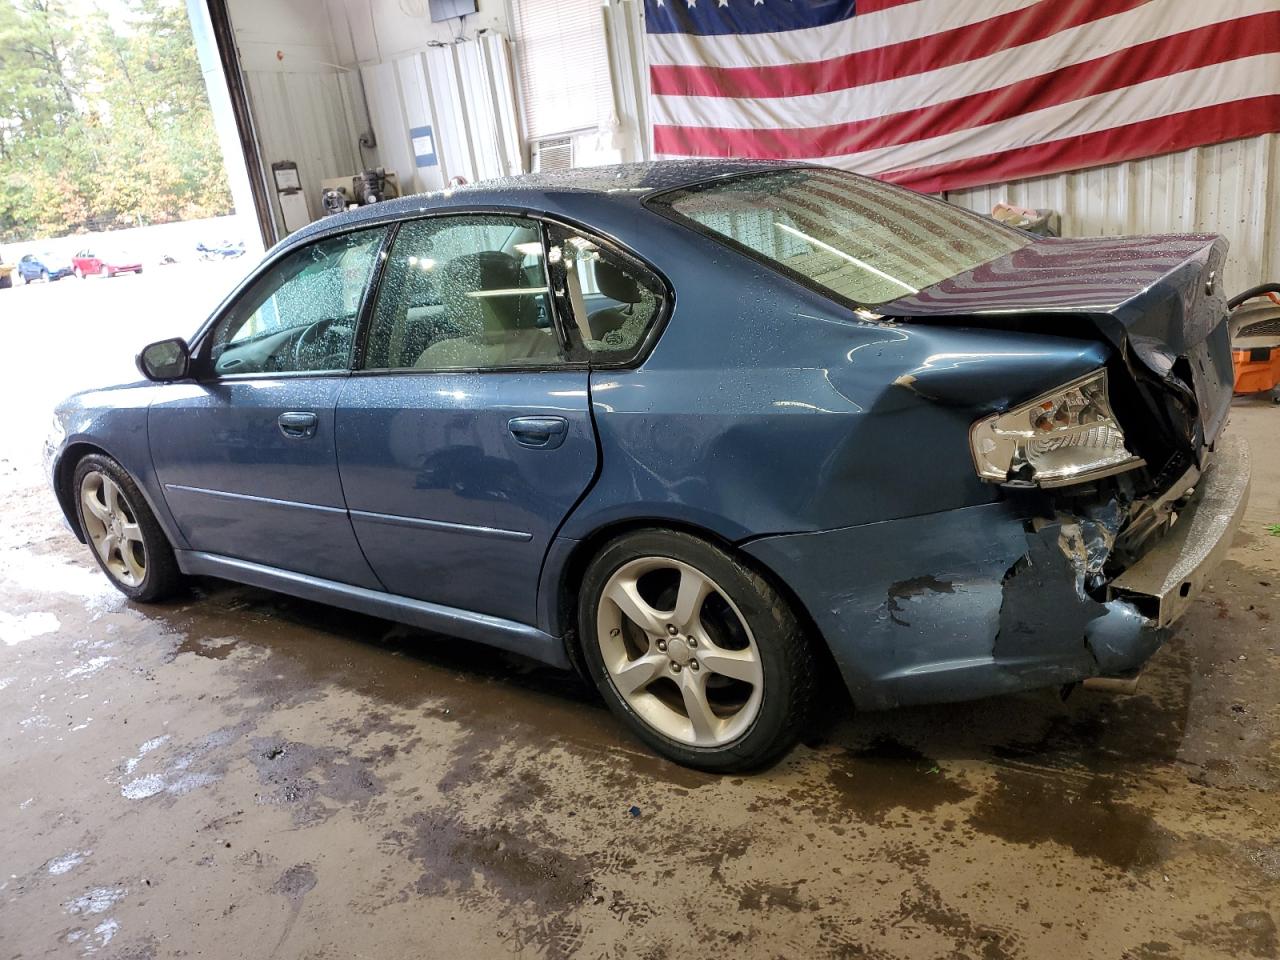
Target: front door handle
point(298, 425)
point(541, 433)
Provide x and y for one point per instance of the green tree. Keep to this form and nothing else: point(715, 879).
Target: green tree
point(104, 120)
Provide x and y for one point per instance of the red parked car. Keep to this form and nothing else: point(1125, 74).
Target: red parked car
point(87, 264)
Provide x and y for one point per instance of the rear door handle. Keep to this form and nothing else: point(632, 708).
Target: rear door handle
point(541, 433)
point(298, 425)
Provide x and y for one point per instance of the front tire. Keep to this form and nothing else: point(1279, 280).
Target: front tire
point(697, 653)
point(123, 534)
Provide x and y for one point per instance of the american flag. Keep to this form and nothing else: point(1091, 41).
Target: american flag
point(944, 94)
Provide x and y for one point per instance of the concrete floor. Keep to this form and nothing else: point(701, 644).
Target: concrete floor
point(243, 775)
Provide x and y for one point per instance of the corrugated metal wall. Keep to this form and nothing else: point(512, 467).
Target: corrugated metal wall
point(1231, 188)
point(466, 93)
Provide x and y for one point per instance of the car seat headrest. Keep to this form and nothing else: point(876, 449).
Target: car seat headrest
point(616, 284)
point(462, 278)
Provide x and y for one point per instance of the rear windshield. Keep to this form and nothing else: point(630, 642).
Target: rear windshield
point(862, 240)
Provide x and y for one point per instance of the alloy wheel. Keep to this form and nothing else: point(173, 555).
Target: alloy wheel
point(679, 652)
point(112, 528)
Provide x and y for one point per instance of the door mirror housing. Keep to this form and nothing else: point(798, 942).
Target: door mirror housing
point(165, 360)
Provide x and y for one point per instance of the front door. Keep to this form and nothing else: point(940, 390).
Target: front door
point(466, 437)
point(246, 455)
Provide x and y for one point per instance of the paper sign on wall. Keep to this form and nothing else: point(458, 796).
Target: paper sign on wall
point(424, 146)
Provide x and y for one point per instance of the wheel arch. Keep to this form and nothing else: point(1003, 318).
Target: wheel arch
point(64, 470)
point(565, 572)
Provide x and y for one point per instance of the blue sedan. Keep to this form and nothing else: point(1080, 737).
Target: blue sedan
point(707, 432)
point(45, 266)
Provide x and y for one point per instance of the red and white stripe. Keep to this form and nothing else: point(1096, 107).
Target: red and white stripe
point(940, 95)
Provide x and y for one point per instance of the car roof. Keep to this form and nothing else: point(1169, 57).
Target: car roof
point(626, 183)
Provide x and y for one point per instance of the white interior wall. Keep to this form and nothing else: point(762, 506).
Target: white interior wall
point(624, 27)
point(304, 104)
point(304, 63)
point(416, 63)
point(417, 74)
point(380, 31)
point(464, 92)
point(320, 73)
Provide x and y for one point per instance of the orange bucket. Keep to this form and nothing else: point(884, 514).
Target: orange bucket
point(1255, 340)
point(1257, 369)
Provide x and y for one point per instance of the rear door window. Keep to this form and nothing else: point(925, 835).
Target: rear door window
point(464, 293)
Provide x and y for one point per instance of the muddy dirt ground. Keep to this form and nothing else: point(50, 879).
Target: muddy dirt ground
point(239, 774)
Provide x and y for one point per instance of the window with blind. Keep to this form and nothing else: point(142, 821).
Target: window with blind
point(564, 66)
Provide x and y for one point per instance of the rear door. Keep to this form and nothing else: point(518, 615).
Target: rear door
point(465, 437)
point(246, 454)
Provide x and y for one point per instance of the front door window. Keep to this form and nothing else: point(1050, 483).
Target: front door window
point(299, 316)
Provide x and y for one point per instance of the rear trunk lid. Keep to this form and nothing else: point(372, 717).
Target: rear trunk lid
point(1158, 300)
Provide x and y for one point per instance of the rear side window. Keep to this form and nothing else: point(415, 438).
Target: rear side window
point(611, 299)
point(862, 240)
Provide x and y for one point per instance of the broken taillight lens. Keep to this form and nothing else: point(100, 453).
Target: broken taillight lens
point(1066, 436)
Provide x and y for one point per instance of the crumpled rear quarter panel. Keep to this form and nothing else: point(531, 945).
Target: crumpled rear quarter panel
point(954, 605)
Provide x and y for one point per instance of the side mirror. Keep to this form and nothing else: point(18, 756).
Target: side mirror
point(165, 360)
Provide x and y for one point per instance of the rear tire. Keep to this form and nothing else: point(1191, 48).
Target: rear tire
point(697, 653)
point(122, 533)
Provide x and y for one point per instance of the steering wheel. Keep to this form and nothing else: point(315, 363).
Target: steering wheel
point(307, 348)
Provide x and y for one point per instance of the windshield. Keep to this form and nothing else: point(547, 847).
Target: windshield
point(865, 241)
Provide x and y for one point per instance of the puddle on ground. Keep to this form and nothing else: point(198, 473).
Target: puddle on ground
point(213, 649)
point(46, 574)
point(312, 646)
point(176, 776)
point(888, 775)
point(92, 941)
point(467, 863)
point(153, 744)
point(1028, 806)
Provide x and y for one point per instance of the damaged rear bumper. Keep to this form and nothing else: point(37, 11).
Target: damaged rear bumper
point(1169, 577)
point(971, 602)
